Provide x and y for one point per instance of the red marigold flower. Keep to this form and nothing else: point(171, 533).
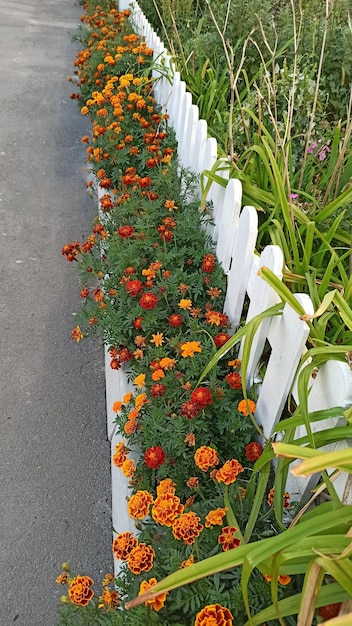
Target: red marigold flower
point(190, 409)
point(129, 270)
point(123, 544)
point(115, 364)
point(253, 451)
point(76, 334)
point(221, 338)
point(148, 300)
point(154, 457)
point(214, 615)
point(125, 231)
point(227, 538)
point(137, 323)
point(134, 287)
point(157, 390)
point(228, 473)
point(234, 380)
point(140, 559)
point(286, 499)
point(208, 264)
point(125, 355)
point(106, 202)
point(80, 591)
point(202, 395)
point(187, 527)
point(175, 320)
point(84, 293)
point(155, 603)
point(205, 458)
point(145, 182)
point(329, 610)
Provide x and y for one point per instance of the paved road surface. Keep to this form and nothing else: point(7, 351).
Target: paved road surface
point(54, 457)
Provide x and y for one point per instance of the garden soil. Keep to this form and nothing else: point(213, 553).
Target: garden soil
point(54, 454)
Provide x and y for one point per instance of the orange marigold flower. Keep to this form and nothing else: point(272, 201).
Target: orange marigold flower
point(133, 414)
point(117, 406)
point(216, 318)
point(140, 341)
point(123, 544)
point(253, 451)
point(108, 578)
point(166, 486)
point(185, 304)
point(155, 603)
point(127, 397)
point(205, 458)
point(215, 517)
point(80, 591)
point(193, 482)
point(187, 527)
point(286, 499)
point(166, 509)
point(190, 439)
point(329, 610)
point(214, 292)
point(235, 363)
point(284, 579)
point(140, 559)
point(166, 363)
point(234, 380)
point(139, 503)
point(62, 578)
point(246, 406)
point(157, 340)
point(228, 473)
point(187, 562)
point(189, 348)
point(77, 334)
point(139, 381)
point(214, 615)
point(120, 454)
point(128, 468)
point(131, 427)
point(110, 598)
point(227, 538)
point(158, 374)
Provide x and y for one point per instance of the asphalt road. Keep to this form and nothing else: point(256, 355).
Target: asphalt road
point(54, 456)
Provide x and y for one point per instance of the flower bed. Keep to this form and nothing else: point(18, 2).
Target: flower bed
point(151, 287)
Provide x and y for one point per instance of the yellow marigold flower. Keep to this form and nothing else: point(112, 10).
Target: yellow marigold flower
point(127, 397)
point(139, 381)
point(215, 517)
point(155, 603)
point(228, 473)
point(128, 468)
point(189, 348)
point(109, 598)
point(138, 354)
point(214, 615)
point(187, 562)
point(108, 578)
point(84, 110)
point(141, 400)
point(235, 363)
point(158, 340)
point(246, 406)
point(166, 508)
point(117, 406)
point(205, 458)
point(187, 527)
point(167, 363)
point(80, 591)
point(139, 503)
point(62, 578)
point(140, 559)
point(120, 454)
point(185, 304)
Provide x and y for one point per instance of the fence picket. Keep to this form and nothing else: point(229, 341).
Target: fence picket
point(228, 222)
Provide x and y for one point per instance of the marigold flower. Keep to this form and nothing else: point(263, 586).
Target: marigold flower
point(140, 341)
point(189, 348)
point(284, 579)
point(155, 603)
point(84, 293)
point(148, 300)
point(202, 395)
point(77, 334)
point(246, 406)
point(166, 363)
point(329, 610)
point(221, 338)
point(140, 559)
point(127, 397)
point(205, 458)
point(208, 263)
point(139, 503)
point(175, 320)
point(234, 380)
point(227, 538)
point(108, 578)
point(215, 517)
point(117, 406)
point(137, 322)
point(216, 318)
point(253, 451)
point(190, 439)
point(120, 454)
point(139, 381)
point(131, 427)
point(128, 468)
point(193, 482)
point(154, 457)
point(185, 304)
point(157, 339)
point(190, 409)
point(286, 499)
point(214, 292)
point(109, 598)
point(228, 473)
point(123, 544)
point(187, 562)
point(165, 487)
point(80, 591)
point(141, 400)
point(62, 578)
point(158, 374)
point(214, 615)
point(134, 287)
point(167, 507)
point(187, 527)
point(157, 390)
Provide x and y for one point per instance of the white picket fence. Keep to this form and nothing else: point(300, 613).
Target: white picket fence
point(234, 234)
